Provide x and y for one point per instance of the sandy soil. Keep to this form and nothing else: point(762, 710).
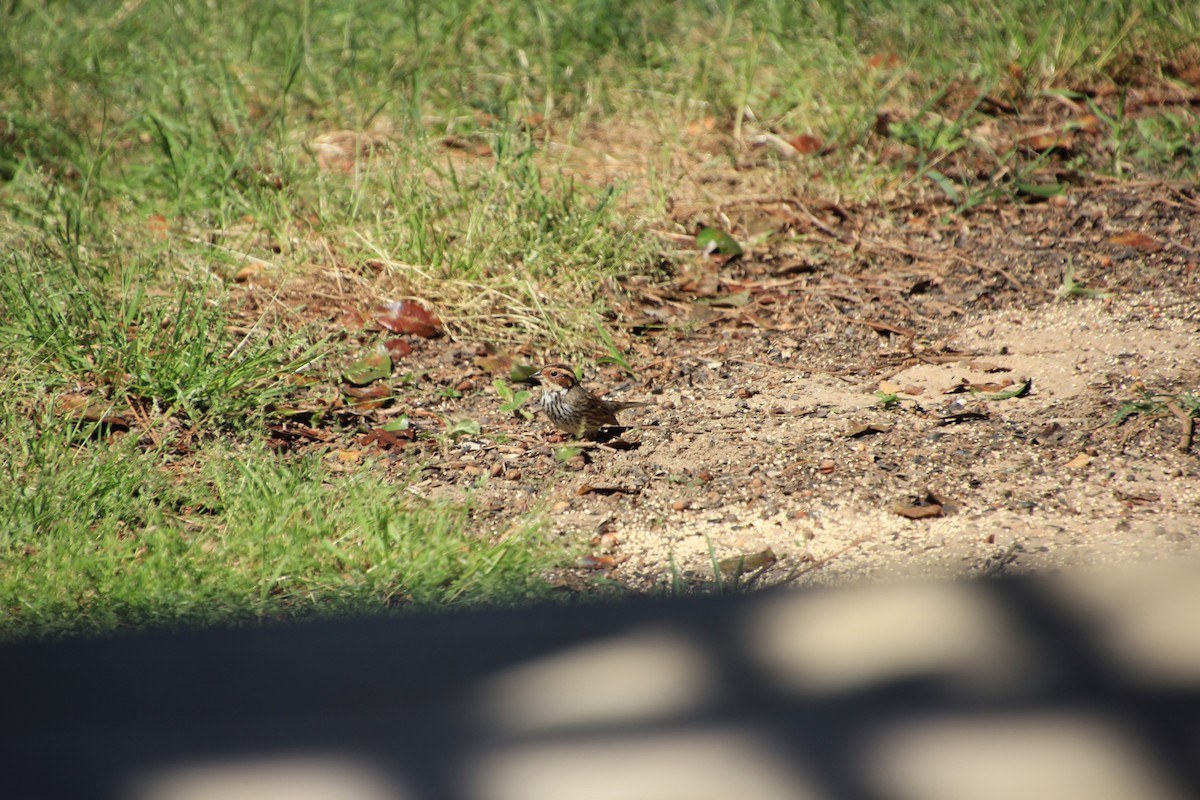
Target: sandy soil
point(768, 441)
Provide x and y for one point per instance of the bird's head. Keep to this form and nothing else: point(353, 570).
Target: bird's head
point(556, 377)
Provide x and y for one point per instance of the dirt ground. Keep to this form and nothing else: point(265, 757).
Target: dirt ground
point(770, 452)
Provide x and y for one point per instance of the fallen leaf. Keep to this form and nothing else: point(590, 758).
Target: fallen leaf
point(599, 562)
point(743, 564)
point(408, 316)
point(249, 271)
point(397, 348)
point(520, 372)
point(376, 392)
point(367, 398)
point(375, 365)
point(1137, 240)
point(1040, 191)
point(883, 60)
point(1019, 389)
point(342, 151)
point(388, 440)
point(1046, 141)
point(728, 300)
point(157, 226)
point(806, 144)
point(712, 241)
point(923, 507)
point(85, 408)
point(496, 363)
point(350, 318)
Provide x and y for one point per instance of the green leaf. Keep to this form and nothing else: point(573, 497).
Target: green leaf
point(1041, 189)
point(945, 184)
point(464, 427)
point(736, 300)
point(714, 240)
point(520, 372)
point(372, 367)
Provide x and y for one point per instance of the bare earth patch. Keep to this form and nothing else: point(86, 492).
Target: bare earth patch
point(769, 442)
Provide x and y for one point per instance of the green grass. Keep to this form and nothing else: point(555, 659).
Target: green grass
point(110, 538)
point(149, 150)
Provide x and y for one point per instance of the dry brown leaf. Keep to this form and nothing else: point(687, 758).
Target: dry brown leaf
point(806, 144)
point(1045, 142)
point(1137, 240)
point(342, 151)
point(408, 316)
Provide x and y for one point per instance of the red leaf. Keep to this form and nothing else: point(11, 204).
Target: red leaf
point(407, 316)
point(157, 226)
point(1137, 240)
point(388, 440)
point(806, 144)
point(397, 348)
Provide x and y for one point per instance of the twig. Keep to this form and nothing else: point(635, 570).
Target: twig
point(880, 326)
point(816, 565)
point(1186, 422)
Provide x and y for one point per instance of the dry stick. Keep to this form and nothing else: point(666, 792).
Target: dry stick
point(1186, 422)
point(873, 244)
point(918, 254)
point(1185, 200)
point(816, 565)
point(144, 419)
point(880, 326)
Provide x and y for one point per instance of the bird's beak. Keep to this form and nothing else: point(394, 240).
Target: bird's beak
point(534, 378)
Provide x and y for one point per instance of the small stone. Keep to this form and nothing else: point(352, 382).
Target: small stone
point(1079, 462)
point(679, 505)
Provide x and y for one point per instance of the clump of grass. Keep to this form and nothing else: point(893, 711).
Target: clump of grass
point(107, 539)
point(114, 335)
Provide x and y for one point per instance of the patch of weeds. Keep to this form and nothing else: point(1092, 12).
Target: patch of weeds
point(614, 354)
point(461, 428)
point(1170, 141)
point(513, 402)
point(566, 453)
point(1150, 404)
point(888, 401)
point(1071, 288)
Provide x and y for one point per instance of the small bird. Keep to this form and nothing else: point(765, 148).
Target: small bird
point(571, 407)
